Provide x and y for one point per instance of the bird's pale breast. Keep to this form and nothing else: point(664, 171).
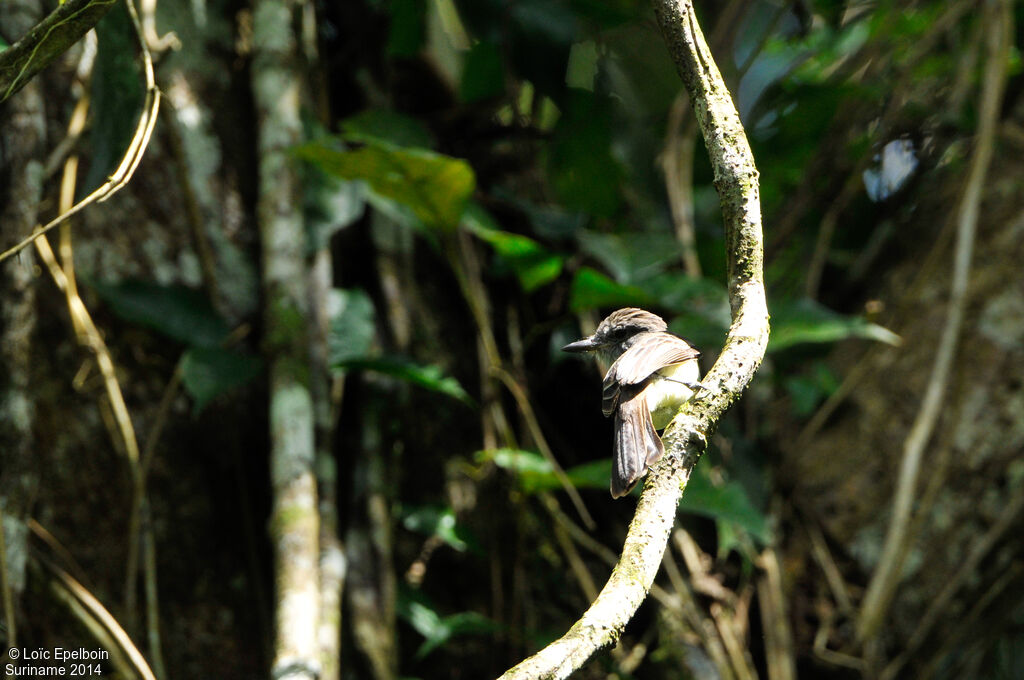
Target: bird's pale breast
point(665, 396)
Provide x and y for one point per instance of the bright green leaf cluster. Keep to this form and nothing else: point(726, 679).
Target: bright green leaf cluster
point(434, 187)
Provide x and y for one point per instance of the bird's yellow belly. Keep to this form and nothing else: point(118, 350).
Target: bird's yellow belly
point(665, 396)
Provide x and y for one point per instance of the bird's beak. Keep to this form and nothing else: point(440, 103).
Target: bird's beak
point(584, 345)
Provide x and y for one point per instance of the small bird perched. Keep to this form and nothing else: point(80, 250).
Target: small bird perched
point(653, 372)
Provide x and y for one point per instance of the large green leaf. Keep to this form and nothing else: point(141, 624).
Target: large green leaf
point(116, 96)
point(806, 321)
point(329, 203)
point(176, 311)
point(596, 474)
point(435, 187)
point(208, 372)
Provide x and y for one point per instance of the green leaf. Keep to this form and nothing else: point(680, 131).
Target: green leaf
point(116, 96)
point(435, 187)
point(583, 66)
point(414, 609)
point(533, 264)
point(631, 257)
point(700, 306)
point(726, 501)
point(536, 474)
point(483, 75)
point(329, 203)
point(681, 293)
point(208, 372)
point(807, 321)
point(385, 125)
point(436, 521)
point(533, 471)
point(809, 389)
point(175, 311)
point(593, 290)
point(352, 327)
point(429, 377)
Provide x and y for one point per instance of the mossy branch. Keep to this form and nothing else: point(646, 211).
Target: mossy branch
point(47, 40)
point(687, 436)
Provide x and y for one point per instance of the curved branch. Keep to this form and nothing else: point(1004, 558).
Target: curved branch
point(687, 436)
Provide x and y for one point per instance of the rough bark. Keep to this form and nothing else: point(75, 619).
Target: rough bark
point(294, 516)
point(22, 137)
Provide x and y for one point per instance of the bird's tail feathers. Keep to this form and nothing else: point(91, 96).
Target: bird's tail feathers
point(637, 445)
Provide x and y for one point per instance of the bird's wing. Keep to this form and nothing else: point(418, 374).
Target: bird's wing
point(649, 353)
point(637, 446)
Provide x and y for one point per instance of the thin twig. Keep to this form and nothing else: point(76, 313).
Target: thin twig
point(724, 611)
point(677, 166)
point(682, 602)
point(831, 656)
point(526, 409)
point(823, 556)
point(152, 610)
point(92, 338)
point(778, 636)
point(85, 328)
point(85, 603)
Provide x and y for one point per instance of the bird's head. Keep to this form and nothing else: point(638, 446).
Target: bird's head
point(615, 334)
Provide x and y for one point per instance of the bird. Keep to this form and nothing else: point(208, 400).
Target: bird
point(653, 372)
